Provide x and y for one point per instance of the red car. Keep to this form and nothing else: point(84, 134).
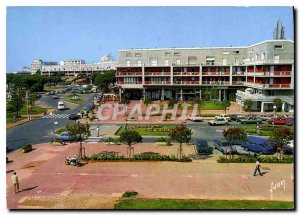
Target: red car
point(280, 120)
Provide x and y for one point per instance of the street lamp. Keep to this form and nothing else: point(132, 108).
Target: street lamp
point(274, 108)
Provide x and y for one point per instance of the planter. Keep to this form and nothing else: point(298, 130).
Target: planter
point(26, 148)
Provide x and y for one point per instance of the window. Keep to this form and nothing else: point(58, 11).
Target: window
point(176, 53)
point(139, 63)
point(166, 62)
point(177, 61)
point(224, 62)
point(225, 53)
point(128, 54)
point(256, 56)
point(153, 61)
point(192, 60)
point(263, 56)
point(236, 52)
point(278, 47)
point(128, 62)
point(138, 55)
point(167, 53)
point(237, 61)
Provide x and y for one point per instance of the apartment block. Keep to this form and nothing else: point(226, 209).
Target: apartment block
point(260, 72)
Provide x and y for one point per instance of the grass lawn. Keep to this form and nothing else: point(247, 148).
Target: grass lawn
point(199, 204)
point(147, 132)
point(252, 130)
point(34, 110)
point(80, 99)
point(10, 119)
point(204, 106)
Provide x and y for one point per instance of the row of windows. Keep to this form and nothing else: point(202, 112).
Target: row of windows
point(83, 69)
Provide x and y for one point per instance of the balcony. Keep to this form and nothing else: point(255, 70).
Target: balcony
point(186, 82)
point(157, 73)
point(186, 73)
point(272, 86)
point(270, 61)
point(215, 82)
point(157, 82)
point(276, 73)
point(215, 73)
point(238, 82)
point(126, 83)
point(239, 73)
point(133, 74)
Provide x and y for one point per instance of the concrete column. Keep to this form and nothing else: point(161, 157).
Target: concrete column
point(200, 74)
point(200, 94)
point(225, 95)
point(230, 77)
point(181, 94)
point(262, 107)
point(254, 74)
point(220, 95)
point(143, 75)
point(171, 70)
point(162, 94)
point(283, 107)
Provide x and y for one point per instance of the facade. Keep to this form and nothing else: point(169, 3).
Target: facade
point(74, 67)
point(266, 68)
point(37, 64)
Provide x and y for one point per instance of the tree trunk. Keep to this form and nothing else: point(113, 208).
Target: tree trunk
point(80, 150)
point(230, 150)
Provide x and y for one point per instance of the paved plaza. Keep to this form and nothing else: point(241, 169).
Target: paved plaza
point(43, 175)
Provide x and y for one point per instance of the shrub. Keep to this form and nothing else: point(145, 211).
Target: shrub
point(27, 148)
point(172, 102)
point(129, 194)
point(109, 139)
point(209, 115)
point(105, 156)
point(164, 139)
point(251, 159)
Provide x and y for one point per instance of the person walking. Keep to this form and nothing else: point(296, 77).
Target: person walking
point(15, 181)
point(98, 131)
point(257, 168)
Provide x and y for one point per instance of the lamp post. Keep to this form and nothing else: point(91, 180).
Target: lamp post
point(274, 108)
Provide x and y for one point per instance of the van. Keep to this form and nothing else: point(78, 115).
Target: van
point(60, 105)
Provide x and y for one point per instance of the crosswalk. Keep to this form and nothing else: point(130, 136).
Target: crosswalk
point(57, 115)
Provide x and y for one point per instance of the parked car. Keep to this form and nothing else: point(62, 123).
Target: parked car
point(280, 120)
point(196, 118)
point(250, 120)
point(74, 116)
point(258, 145)
point(224, 146)
point(224, 116)
point(233, 117)
point(218, 121)
point(66, 136)
point(55, 97)
point(60, 105)
point(264, 117)
point(202, 147)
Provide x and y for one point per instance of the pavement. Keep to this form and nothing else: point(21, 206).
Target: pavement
point(46, 182)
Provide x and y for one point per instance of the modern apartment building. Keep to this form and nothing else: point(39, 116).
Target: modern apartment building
point(77, 66)
point(37, 64)
point(260, 72)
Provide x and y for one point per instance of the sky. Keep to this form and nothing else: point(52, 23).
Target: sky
point(61, 33)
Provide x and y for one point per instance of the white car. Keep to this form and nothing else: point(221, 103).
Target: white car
point(60, 105)
point(195, 118)
point(224, 116)
point(218, 121)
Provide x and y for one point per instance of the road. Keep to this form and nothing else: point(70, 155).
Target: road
point(41, 130)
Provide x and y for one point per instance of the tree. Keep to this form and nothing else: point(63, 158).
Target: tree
point(248, 105)
point(129, 138)
point(280, 137)
point(278, 103)
point(78, 132)
point(234, 135)
point(17, 100)
point(103, 81)
point(181, 134)
point(226, 104)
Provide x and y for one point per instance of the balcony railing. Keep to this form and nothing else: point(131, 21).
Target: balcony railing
point(157, 82)
point(238, 82)
point(216, 82)
point(271, 61)
point(276, 73)
point(279, 86)
point(157, 73)
point(129, 74)
point(215, 73)
point(186, 82)
point(134, 82)
point(238, 73)
point(186, 73)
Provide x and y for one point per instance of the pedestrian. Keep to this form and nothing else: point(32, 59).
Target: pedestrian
point(14, 118)
point(15, 181)
point(257, 168)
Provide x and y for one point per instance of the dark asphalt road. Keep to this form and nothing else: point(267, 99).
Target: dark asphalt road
point(41, 130)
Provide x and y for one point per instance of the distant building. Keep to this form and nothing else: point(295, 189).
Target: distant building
point(278, 31)
point(24, 71)
point(37, 65)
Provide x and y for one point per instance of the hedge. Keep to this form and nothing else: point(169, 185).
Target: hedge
point(251, 159)
point(138, 157)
